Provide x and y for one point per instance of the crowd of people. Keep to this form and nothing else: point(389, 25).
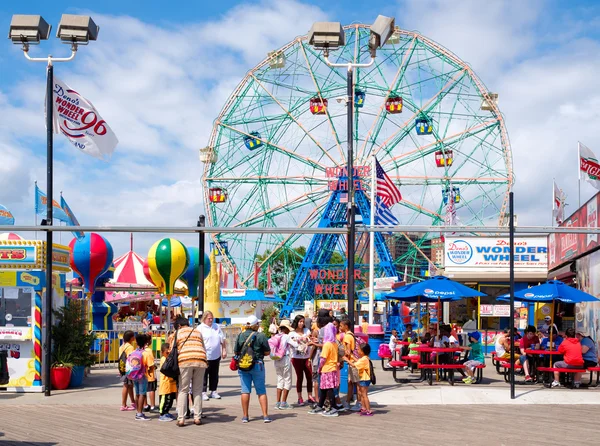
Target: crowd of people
point(314, 351)
point(576, 349)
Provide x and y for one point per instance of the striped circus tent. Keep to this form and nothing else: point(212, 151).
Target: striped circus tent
point(10, 236)
point(129, 269)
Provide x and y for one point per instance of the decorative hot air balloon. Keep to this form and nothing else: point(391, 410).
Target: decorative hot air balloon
point(191, 274)
point(168, 259)
point(146, 269)
point(91, 256)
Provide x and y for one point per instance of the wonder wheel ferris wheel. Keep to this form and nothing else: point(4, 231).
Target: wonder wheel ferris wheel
point(431, 123)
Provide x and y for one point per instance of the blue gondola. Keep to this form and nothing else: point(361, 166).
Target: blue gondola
point(455, 192)
point(359, 98)
point(424, 126)
point(253, 141)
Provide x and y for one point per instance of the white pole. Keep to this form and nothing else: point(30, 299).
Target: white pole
point(579, 171)
point(372, 243)
point(553, 201)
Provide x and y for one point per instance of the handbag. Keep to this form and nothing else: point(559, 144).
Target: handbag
point(233, 365)
point(170, 368)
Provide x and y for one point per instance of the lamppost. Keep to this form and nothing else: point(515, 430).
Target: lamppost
point(328, 36)
point(26, 30)
point(201, 266)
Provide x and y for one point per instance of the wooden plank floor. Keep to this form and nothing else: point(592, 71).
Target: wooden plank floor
point(422, 425)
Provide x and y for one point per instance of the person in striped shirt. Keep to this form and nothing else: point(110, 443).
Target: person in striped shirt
point(192, 365)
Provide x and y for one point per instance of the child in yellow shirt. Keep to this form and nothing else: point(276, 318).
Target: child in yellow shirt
point(364, 367)
point(151, 375)
point(167, 389)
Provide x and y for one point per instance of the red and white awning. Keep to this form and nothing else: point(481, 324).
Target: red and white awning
point(10, 236)
point(129, 269)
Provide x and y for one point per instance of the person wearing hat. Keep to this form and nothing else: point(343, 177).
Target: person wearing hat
point(476, 357)
point(255, 342)
point(545, 329)
point(283, 365)
point(588, 349)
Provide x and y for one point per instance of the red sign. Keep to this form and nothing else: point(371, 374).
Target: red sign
point(565, 247)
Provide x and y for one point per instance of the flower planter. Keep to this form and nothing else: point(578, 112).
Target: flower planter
point(77, 374)
point(60, 377)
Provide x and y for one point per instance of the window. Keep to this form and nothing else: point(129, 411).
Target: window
point(15, 307)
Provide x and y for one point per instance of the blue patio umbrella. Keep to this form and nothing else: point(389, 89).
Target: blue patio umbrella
point(550, 291)
point(436, 289)
point(175, 302)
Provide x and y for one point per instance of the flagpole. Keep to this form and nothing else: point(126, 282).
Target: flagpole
point(579, 172)
point(372, 242)
point(553, 201)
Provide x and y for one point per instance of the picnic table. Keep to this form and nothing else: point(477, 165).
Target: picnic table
point(537, 354)
point(427, 366)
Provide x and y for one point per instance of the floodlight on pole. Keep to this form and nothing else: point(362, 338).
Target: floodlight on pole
point(31, 29)
point(381, 30)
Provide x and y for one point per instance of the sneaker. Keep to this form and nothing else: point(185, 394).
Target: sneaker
point(267, 419)
point(366, 413)
point(315, 411)
point(277, 405)
point(576, 385)
point(405, 368)
point(134, 406)
point(346, 405)
point(141, 417)
point(341, 409)
point(153, 409)
point(165, 418)
point(146, 409)
point(528, 379)
point(127, 408)
point(171, 416)
point(311, 400)
point(245, 420)
point(284, 406)
point(468, 378)
point(356, 407)
point(300, 402)
point(555, 384)
point(205, 396)
point(330, 413)
point(215, 395)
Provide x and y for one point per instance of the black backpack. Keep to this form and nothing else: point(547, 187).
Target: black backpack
point(123, 363)
point(372, 373)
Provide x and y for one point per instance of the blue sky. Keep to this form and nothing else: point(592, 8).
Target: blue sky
point(160, 92)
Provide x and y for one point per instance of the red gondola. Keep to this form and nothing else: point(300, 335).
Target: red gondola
point(318, 106)
point(444, 158)
point(393, 105)
point(217, 195)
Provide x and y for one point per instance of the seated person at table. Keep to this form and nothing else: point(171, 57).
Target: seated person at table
point(545, 328)
point(588, 350)
point(556, 340)
point(476, 357)
point(406, 337)
point(571, 350)
point(502, 344)
point(444, 340)
point(529, 341)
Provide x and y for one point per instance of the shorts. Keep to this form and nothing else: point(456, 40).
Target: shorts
point(152, 386)
point(522, 359)
point(364, 383)
point(283, 368)
point(353, 375)
point(472, 364)
point(587, 363)
point(141, 387)
point(564, 365)
point(255, 376)
point(125, 380)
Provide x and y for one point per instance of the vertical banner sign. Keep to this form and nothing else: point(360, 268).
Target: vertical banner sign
point(77, 119)
point(72, 219)
point(41, 203)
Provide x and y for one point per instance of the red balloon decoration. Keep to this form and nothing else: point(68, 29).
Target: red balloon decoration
point(91, 256)
point(146, 269)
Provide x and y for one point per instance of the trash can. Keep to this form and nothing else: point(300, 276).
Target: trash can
point(344, 379)
point(4, 377)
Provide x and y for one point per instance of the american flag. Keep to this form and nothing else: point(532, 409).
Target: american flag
point(386, 189)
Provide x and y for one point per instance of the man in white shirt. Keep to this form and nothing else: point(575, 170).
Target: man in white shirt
point(216, 349)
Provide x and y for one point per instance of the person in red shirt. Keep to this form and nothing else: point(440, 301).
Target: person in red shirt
point(570, 348)
point(529, 341)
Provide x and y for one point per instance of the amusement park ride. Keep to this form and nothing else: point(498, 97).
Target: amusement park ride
point(420, 110)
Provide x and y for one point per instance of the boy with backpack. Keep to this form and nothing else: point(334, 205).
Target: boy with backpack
point(136, 372)
point(150, 401)
point(280, 354)
point(364, 368)
point(124, 350)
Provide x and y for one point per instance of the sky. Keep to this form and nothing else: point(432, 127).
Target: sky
point(159, 76)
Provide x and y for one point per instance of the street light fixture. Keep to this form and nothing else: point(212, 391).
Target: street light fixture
point(28, 30)
point(328, 36)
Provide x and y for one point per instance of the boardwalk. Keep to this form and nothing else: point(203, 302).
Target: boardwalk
point(90, 416)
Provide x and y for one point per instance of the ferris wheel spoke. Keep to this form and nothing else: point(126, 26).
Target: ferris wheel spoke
point(294, 119)
point(421, 151)
point(416, 207)
point(319, 94)
point(409, 124)
point(380, 118)
point(416, 180)
point(293, 203)
point(280, 149)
